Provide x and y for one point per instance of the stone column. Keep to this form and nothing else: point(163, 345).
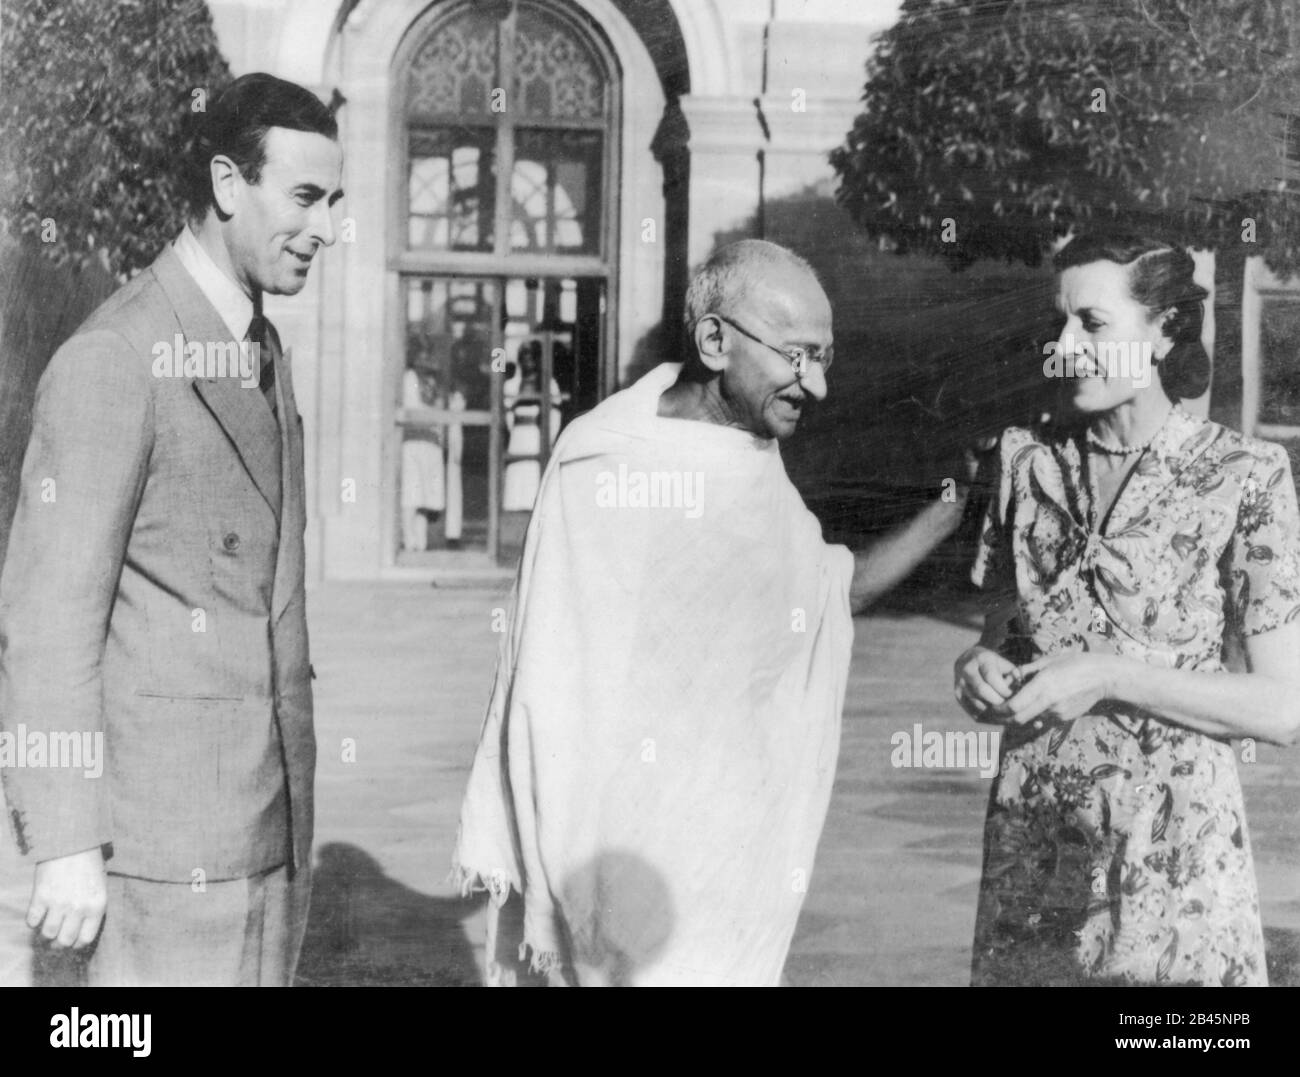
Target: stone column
point(724, 143)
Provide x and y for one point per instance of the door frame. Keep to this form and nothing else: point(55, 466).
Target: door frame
point(403, 263)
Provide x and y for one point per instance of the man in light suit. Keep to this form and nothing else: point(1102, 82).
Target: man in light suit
point(152, 600)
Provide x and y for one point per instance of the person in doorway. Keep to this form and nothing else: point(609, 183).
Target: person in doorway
point(424, 495)
point(522, 396)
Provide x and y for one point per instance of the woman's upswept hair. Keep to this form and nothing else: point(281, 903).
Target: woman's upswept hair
point(1160, 278)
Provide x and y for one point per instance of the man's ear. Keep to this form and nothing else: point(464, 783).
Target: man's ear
point(711, 343)
point(225, 178)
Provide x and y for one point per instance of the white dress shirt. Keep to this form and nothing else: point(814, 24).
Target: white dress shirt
point(222, 291)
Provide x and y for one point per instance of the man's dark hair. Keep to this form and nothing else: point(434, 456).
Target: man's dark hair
point(235, 126)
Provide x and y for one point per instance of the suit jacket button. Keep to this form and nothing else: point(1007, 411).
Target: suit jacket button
point(230, 542)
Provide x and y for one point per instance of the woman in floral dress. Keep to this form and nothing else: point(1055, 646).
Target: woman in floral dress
point(1126, 554)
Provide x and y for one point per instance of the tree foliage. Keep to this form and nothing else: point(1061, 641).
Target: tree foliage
point(990, 127)
point(93, 116)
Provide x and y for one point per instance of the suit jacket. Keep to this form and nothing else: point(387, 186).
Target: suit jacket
point(153, 593)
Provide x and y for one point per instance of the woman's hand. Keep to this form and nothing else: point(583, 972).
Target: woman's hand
point(983, 680)
point(1058, 688)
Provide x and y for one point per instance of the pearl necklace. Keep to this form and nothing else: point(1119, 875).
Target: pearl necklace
point(1118, 450)
point(1114, 449)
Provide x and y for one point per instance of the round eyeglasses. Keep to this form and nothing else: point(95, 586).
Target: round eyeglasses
point(796, 355)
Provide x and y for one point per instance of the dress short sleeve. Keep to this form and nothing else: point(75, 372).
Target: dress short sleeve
point(994, 568)
point(1263, 557)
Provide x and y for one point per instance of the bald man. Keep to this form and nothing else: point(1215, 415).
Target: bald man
point(660, 743)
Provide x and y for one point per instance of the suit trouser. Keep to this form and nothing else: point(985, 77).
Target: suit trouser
point(235, 933)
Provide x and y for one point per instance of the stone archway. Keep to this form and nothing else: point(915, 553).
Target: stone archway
point(359, 291)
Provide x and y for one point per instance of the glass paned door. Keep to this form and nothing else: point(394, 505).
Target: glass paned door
point(504, 241)
point(494, 370)
point(509, 121)
point(448, 416)
point(552, 340)
point(451, 189)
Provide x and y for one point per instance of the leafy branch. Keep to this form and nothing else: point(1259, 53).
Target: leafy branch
point(1015, 121)
point(93, 122)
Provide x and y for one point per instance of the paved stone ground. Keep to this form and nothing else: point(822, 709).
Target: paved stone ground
point(403, 673)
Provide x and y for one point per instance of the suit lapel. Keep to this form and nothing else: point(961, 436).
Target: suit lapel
point(241, 412)
point(248, 423)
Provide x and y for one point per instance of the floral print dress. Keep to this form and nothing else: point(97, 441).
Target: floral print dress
point(1116, 847)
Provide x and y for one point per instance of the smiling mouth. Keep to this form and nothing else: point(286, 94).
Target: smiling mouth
point(305, 259)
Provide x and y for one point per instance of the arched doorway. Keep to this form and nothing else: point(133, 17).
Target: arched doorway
point(505, 246)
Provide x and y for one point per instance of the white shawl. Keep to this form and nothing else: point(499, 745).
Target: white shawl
point(660, 743)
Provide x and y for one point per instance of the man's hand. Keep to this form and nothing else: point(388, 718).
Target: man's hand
point(982, 680)
point(68, 898)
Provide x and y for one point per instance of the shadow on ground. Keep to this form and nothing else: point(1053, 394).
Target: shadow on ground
point(367, 930)
point(364, 930)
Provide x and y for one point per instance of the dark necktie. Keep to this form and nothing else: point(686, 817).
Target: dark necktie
point(262, 333)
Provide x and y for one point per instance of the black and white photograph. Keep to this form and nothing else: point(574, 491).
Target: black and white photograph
point(717, 493)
